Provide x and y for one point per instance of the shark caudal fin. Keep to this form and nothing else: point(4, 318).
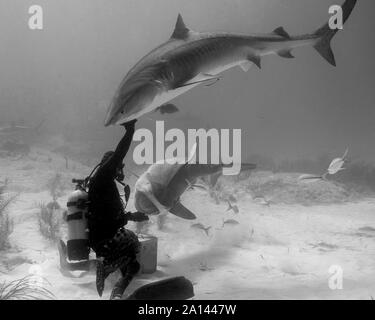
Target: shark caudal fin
point(325, 33)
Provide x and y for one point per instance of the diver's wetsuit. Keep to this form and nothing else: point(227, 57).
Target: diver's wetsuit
point(107, 235)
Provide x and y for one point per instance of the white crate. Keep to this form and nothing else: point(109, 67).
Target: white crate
point(147, 257)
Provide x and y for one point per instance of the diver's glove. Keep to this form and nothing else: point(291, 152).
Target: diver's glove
point(137, 216)
point(129, 125)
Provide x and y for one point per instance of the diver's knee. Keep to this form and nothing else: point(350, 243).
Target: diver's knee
point(134, 267)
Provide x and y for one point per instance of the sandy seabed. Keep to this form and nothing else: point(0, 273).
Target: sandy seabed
point(281, 251)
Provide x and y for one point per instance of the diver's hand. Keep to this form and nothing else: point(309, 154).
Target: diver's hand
point(137, 216)
point(130, 124)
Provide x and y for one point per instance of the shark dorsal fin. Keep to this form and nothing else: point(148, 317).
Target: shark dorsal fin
point(280, 31)
point(180, 30)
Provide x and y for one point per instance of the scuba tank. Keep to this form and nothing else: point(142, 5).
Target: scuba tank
point(77, 220)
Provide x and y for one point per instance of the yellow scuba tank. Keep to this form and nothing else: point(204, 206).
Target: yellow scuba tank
point(77, 220)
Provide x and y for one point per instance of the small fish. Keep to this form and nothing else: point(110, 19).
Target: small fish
point(201, 227)
point(230, 222)
point(232, 207)
point(338, 163)
point(167, 108)
point(263, 201)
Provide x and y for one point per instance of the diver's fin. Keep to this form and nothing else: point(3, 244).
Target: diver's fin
point(245, 65)
point(177, 288)
point(180, 211)
point(180, 30)
point(280, 31)
point(326, 33)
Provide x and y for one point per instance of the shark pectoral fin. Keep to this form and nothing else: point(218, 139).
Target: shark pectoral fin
point(280, 31)
point(256, 60)
point(181, 211)
point(285, 54)
point(245, 65)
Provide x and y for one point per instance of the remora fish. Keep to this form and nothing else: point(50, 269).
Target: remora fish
point(190, 58)
point(167, 108)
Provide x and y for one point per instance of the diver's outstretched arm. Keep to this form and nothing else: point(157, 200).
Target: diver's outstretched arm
point(121, 150)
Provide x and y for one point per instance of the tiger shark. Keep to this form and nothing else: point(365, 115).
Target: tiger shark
point(158, 190)
point(190, 58)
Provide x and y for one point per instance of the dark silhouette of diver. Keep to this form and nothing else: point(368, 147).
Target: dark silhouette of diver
point(115, 246)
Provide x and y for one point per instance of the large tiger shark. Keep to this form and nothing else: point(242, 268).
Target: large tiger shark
point(158, 190)
point(190, 58)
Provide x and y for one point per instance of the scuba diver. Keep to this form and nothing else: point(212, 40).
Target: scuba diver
point(115, 246)
point(96, 218)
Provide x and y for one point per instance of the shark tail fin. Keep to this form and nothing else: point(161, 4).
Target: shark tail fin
point(326, 34)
